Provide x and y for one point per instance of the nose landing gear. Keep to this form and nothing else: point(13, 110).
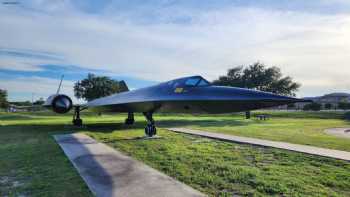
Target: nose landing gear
point(150, 129)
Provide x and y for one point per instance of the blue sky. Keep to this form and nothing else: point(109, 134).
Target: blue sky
point(145, 42)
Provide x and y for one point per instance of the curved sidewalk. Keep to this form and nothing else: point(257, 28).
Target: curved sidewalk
point(336, 154)
point(107, 172)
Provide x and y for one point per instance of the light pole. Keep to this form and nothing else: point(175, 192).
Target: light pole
point(32, 101)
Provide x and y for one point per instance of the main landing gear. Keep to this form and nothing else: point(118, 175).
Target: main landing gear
point(76, 117)
point(150, 129)
point(130, 120)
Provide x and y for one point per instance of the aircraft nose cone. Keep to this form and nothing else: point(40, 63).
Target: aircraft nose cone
point(259, 99)
point(233, 93)
point(276, 97)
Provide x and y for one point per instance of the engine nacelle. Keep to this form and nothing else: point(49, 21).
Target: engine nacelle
point(59, 103)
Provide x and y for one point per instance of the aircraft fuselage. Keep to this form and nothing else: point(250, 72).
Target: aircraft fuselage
point(177, 96)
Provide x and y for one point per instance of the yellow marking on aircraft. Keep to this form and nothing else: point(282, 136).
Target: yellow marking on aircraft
point(179, 90)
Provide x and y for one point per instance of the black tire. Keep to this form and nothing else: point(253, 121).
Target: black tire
point(150, 130)
point(154, 129)
point(129, 121)
point(78, 122)
point(146, 131)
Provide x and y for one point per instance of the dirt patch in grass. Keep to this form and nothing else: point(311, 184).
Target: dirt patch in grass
point(339, 132)
point(12, 185)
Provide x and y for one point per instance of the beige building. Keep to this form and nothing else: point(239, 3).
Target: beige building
point(333, 99)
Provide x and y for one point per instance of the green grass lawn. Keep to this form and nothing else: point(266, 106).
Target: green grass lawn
point(294, 127)
point(32, 163)
point(225, 169)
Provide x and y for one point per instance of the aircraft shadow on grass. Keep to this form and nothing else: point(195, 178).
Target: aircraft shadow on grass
point(108, 127)
point(17, 117)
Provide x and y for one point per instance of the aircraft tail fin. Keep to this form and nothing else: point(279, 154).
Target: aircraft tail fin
point(123, 87)
point(59, 86)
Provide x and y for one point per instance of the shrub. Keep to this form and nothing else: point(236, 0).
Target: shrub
point(344, 105)
point(291, 106)
point(328, 106)
point(347, 115)
point(312, 107)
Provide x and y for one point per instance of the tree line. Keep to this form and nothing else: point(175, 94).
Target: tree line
point(3, 99)
point(4, 103)
point(327, 106)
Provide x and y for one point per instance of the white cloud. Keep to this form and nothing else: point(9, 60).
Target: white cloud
point(22, 64)
point(312, 48)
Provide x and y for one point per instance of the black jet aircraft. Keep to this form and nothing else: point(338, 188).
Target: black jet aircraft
point(184, 95)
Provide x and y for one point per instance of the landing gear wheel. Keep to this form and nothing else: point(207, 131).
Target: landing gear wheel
point(150, 130)
point(153, 130)
point(78, 122)
point(147, 131)
point(129, 121)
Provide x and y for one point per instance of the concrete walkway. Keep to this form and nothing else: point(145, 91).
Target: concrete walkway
point(107, 172)
point(337, 154)
point(339, 132)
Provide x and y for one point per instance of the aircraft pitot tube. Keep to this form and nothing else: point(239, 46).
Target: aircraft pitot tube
point(59, 103)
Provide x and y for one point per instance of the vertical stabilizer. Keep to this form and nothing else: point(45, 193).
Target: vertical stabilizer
point(59, 87)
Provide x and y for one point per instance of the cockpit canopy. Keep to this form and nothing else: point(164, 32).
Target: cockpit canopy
point(194, 81)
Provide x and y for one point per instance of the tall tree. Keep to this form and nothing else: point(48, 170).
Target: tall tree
point(260, 77)
point(233, 78)
point(344, 105)
point(94, 87)
point(3, 99)
point(328, 106)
